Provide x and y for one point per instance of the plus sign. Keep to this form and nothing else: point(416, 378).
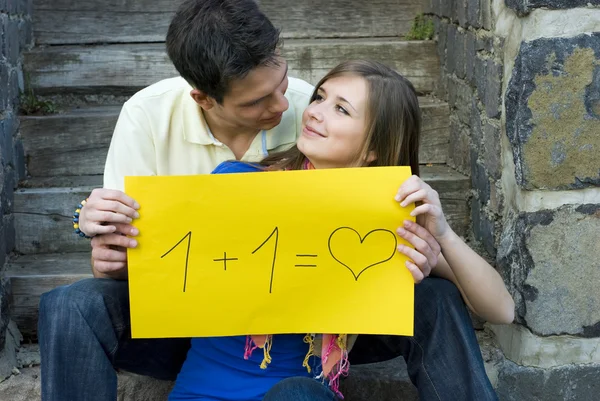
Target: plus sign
point(224, 260)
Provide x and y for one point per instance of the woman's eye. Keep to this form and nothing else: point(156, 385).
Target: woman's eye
point(342, 110)
point(318, 98)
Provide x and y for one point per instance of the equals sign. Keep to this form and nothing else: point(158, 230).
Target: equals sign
point(306, 264)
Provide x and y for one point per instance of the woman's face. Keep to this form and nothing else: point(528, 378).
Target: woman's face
point(334, 125)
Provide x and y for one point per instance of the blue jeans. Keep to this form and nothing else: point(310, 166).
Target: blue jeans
point(84, 336)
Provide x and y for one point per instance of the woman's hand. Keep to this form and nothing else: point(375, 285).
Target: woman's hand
point(107, 211)
point(428, 208)
point(424, 257)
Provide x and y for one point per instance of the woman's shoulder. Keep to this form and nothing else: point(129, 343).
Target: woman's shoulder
point(235, 166)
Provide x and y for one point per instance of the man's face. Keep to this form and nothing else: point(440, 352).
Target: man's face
point(256, 101)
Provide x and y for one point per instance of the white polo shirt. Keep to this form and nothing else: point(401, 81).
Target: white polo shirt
point(161, 131)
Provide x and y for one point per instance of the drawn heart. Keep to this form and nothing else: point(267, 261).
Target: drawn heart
point(339, 243)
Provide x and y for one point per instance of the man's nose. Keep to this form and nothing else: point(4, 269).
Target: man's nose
point(280, 104)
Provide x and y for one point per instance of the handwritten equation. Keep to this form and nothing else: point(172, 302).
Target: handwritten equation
point(304, 260)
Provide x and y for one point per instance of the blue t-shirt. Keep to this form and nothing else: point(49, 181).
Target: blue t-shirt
point(215, 368)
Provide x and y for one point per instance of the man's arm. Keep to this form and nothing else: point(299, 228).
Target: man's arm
point(109, 212)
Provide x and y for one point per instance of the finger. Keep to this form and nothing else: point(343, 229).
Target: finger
point(417, 196)
point(420, 245)
point(424, 234)
point(127, 229)
point(112, 194)
point(413, 184)
point(416, 257)
point(108, 267)
point(417, 274)
point(115, 207)
point(96, 229)
point(427, 208)
point(113, 240)
point(109, 255)
point(98, 216)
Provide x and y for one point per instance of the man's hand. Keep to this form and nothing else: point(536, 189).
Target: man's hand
point(108, 211)
point(424, 257)
point(109, 254)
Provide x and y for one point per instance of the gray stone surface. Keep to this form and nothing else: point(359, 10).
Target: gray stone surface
point(552, 113)
point(493, 89)
point(566, 383)
point(549, 260)
point(523, 7)
point(492, 151)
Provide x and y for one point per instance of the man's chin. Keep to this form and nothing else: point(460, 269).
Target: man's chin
point(270, 124)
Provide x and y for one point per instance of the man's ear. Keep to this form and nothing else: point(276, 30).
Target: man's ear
point(203, 100)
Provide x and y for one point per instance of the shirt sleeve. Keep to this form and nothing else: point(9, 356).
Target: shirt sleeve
point(132, 151)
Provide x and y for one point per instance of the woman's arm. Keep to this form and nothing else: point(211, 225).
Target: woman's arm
point(480, 284)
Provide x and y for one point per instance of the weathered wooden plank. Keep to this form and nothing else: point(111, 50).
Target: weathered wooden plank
point(127, 68)
point(117, 21)
point(76, 141)
point(43, 220)
point(72, 143)
point(43, 215)
point(32, 275)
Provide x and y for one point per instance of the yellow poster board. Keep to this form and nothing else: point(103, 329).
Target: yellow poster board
point(270, 253)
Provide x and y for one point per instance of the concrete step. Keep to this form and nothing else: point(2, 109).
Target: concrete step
point(43, 216)
point(109, 21)
point(125, 68)
point(76, 141)
point(373, 382)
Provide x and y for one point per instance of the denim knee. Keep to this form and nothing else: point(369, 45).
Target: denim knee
point(99, 302)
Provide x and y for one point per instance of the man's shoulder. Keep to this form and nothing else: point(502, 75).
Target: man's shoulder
point(169, 88)
point(299, 87)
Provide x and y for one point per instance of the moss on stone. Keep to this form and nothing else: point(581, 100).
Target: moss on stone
point(565, 143)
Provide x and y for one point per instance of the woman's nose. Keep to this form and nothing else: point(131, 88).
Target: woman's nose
point(314, 112)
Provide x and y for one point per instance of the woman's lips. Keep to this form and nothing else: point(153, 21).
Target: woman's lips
point(312, 132)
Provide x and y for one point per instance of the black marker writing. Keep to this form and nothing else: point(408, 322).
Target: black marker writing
point(224, 260)
point(276, 232)
point(187, 255)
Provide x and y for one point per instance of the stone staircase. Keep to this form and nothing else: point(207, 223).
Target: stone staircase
point(90, 56)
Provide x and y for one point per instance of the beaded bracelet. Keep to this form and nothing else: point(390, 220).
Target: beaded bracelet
point(76, 220)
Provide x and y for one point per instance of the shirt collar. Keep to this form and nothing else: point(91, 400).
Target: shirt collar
point(196, 130)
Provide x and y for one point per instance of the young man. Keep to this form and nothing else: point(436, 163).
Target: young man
point(233, 101)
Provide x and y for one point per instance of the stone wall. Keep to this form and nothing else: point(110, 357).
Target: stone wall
point(15, 36)
point(522, 78)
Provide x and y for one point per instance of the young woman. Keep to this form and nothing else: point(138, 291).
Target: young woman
point(361, 114)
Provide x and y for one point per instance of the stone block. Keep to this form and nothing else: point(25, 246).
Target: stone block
point(459, 155)
point(12, 41)
point(525, 348)
point(461, 12)
point(492, 153)
point(459, 53)
point(8, 192)
point(523, 7)
point(496, 198)
point(493, 89)
point(549, 260)
point(470, 55)
point(565, 383)
point(442, 32)
point(479, 178)
point(19, 162)
point(451, 54)
point(483, 227)
point(8, 231)
point(553, 113)
point(486, 14)
point(25, 34)
point(480, 77)
point(7, 130)
point(476, 125)
point(474, 13)
point(4, 75)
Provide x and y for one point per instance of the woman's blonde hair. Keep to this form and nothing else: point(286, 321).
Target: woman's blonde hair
point(393, 118)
